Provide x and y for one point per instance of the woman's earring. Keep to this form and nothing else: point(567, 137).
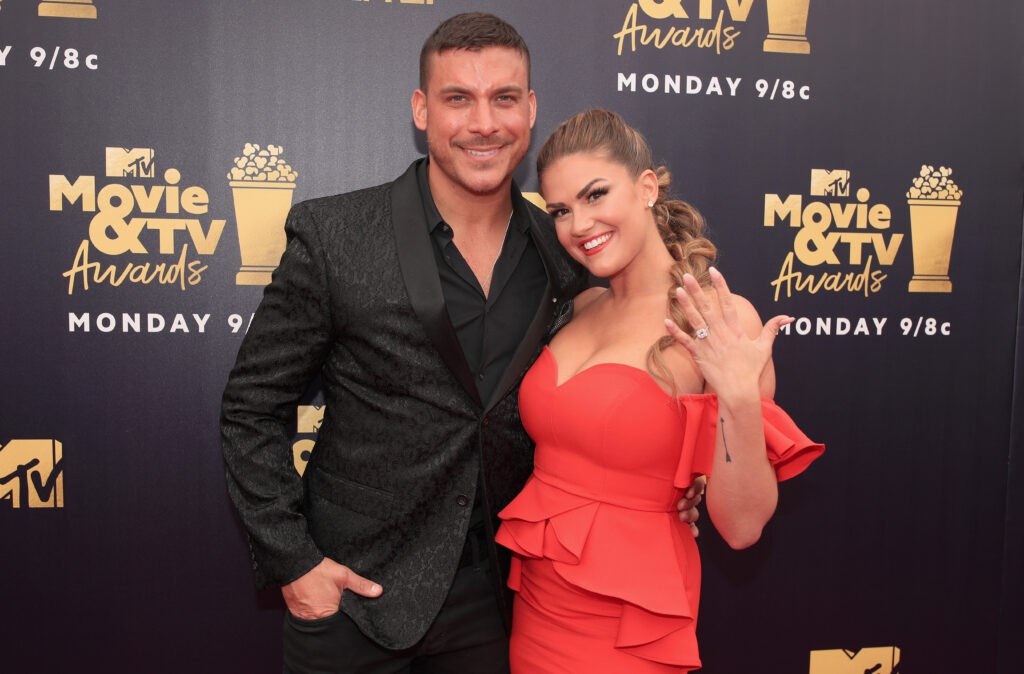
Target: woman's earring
point(650, 204)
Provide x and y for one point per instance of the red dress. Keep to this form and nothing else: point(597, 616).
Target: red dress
point(607, 577)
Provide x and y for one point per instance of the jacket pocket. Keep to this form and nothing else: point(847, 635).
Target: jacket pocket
point(351, 495)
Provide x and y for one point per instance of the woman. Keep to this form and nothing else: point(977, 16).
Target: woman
point(660, 378)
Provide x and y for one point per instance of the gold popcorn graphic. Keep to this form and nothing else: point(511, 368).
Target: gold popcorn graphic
point(68, 9)
point(536, 199)
point(880, 660)
point(934, 201)
point(32, 474)
point(830, 183)
point(787, 27)
point(262, 184)
point(308, 421)
point(136, 162)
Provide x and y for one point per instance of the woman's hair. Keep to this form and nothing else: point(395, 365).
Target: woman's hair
point(680, 225)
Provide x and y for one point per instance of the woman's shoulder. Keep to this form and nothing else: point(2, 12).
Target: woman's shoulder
point(583, 316)
point(586, 299)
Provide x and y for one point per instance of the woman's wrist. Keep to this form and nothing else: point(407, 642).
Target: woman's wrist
point(740, 399)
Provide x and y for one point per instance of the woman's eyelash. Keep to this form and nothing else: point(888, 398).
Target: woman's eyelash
point(597, 192)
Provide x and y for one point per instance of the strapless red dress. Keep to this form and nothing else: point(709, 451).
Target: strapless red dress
point(607, 578)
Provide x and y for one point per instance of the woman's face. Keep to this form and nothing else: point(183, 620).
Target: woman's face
point(600, 211)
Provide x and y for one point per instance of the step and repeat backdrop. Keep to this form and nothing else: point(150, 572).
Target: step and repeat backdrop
point(859, 163)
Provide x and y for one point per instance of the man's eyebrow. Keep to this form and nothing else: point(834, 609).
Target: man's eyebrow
point(459, 89)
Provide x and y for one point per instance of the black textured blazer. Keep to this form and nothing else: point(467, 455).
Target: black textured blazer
point(357, 299)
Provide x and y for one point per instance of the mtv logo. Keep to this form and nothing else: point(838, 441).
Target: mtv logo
point(301, 451)
point(830, 183)
point(136, 162)
point(880, 660)
point(309, 418)
point(31, 474)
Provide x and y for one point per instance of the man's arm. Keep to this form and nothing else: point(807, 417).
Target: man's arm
point(287, 342)
point(285, 346)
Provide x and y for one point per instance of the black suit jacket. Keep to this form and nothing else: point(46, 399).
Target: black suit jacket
point(389, 487)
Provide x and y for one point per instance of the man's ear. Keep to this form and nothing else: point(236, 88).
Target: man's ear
point(533, 108)
point(419, 109)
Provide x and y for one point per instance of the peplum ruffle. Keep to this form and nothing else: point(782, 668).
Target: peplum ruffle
point(616, 540)
point(636, 556)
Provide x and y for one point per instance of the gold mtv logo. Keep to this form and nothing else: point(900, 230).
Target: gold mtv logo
point(308, 420)
point(880, 660)
point(68, 9)
point(830, 183)
point(136, 162)
point(32, 474)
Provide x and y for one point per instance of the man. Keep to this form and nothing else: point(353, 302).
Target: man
point(421, 303)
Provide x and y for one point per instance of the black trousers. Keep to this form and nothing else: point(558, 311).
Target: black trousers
point(468, 636)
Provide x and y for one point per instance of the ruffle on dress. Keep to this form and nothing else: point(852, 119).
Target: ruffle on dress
point(637, 551)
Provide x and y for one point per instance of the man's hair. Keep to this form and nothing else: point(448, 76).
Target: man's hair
point(473, 31)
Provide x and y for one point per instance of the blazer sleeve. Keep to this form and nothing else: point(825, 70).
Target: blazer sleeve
point(283, 349)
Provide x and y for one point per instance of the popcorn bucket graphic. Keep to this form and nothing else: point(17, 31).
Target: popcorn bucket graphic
point(262, 183)
point(68, 9)
point(934, 200)
point(260, 211)
point(931, 230)
point(787, 27)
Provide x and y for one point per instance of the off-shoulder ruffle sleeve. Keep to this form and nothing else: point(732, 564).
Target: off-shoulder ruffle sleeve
point(789, 450)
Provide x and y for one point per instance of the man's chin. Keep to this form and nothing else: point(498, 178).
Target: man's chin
point(488, 185)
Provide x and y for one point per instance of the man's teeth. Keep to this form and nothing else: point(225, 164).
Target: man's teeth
point(594, 243)
point(480, 153)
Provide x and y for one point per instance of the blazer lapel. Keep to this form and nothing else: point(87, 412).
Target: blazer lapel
point(419, 270)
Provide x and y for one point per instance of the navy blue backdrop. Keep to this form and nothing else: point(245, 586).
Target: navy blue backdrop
point(860, 166)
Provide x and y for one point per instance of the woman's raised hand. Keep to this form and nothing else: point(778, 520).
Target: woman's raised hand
point(730, 360)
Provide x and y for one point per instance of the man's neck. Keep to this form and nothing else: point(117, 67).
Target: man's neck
point(463, 209)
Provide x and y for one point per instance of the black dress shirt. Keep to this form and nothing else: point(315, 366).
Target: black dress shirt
point(490, 327)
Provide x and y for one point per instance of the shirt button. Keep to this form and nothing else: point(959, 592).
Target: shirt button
point(462, 500)
point(480, 376)
point(554, 300)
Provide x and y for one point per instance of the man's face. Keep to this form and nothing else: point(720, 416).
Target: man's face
point(477, 110)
